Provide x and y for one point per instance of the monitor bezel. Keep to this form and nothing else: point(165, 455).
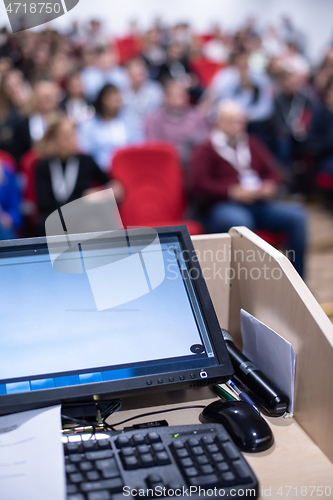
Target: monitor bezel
point(122, 388)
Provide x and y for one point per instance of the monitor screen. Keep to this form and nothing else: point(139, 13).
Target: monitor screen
point(57, 331)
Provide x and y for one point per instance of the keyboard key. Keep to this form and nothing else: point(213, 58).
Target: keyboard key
point(122, 442)
point(162, 458)
point(76, 496)
point(99, 495)
point(71, 488)
point(228, 478)
point(109, 473)
point(103, 444)
point(217, 457)
point(198, 450)
point(70, 468)
point(147, 460)
point(191, 472)
point(99, 455)
point(209, 481)
point(93, 475)
point(138, 439)
point(72, 448)
point(109, 463)
point(186, 462)
point(202, 460)
point(231, 451)
point(177, 445)
point(158, 447)
point(76, 457)
point(127, 452)
point(207, 440)
point(144, 448)
point(113, 485)
point(89, 445)
point(222, 467)
point(222, 436)
point(153, 437)
point(130, 463)
point(193, 442)
point(153, 479)
point(182, 453)
point(212, 448)
point(242, 471)
point(207, 469)
point(76, 478)
point(85, 466)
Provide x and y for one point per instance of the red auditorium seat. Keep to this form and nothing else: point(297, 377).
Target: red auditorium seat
point(277, 240)
point(128, 48)
point(28, 164)
point(205, 70)
point(8, 160)
point(325, 181)
point(154, 188)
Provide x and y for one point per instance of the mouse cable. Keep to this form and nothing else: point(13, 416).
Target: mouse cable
point(148, 414)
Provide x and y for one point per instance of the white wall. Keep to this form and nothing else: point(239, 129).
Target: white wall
point(313, 17)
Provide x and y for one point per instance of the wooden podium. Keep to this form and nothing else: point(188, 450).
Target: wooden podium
point(243, 271)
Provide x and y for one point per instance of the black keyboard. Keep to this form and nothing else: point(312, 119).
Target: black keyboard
point(163, 462)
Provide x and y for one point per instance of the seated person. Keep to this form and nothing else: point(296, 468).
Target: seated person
point(10, 199)
point(103, 69)
point(177, 122)
point(293, 108)
point(63, 174)
point(236, 178)
point(74, 103)
point(320, 138)
point(31, 128)
point(112, 128)
point(251, 89)
point(143, 95)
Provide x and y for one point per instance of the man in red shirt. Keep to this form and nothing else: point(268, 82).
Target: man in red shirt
point(236, 179)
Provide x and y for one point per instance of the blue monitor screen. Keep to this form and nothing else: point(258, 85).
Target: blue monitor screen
point(52, 333)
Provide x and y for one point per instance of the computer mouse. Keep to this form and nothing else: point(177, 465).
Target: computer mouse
point(249, 431)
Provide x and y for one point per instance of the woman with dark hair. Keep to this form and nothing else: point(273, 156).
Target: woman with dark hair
point(63, 174)
point(111, 128)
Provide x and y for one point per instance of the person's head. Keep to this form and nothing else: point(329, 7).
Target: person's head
point(293, 76)
point(14, 92)
point(176, 96)
point(107, 58)
point(109, 102)
point(231, 119)
point(46, 94)
point(59, 139)
point(240, 60)
point(74, 85)
point(137, 72)
point(175, 51)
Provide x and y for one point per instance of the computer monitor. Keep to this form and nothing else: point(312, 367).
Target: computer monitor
point(61, 343)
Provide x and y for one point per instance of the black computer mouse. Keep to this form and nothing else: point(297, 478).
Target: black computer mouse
point(249, 431)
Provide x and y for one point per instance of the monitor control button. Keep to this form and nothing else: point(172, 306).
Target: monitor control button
point(149, 382)
point(160, 380)
point(203, 374)
point(171, 379)
point(192, 375)
point(182, 377)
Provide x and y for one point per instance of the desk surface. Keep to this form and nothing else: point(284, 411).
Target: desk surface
point(293, 462)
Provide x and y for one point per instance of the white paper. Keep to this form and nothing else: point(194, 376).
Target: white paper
point(271, 353)
point(31, 456)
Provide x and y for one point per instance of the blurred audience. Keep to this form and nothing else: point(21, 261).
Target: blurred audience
point(113, 127)
point(177, 122)
point(237, 179)
point(167, 81)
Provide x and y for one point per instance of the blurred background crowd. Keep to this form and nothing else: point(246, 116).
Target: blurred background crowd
point(227, 127)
